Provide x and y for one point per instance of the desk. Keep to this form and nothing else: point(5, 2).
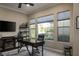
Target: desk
point(33, 44)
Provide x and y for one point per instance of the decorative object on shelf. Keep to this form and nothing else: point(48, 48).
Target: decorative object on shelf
point(77, 22)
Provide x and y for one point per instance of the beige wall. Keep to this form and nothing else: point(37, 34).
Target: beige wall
point(9, 15)
point(76, 31)
point(54, 10)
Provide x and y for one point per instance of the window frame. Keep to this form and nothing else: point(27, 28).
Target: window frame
point(62, 26)
point(47, 21)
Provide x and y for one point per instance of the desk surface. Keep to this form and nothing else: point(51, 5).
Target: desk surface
point(32, 42)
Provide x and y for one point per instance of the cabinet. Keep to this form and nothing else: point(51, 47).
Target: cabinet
point(7, 43)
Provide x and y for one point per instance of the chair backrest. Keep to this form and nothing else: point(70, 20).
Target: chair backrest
point(19, 36)
point(41, 37)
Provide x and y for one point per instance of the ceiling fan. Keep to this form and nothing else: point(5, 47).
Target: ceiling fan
point(27, 4)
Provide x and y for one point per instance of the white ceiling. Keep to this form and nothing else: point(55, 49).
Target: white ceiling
point(27, 10)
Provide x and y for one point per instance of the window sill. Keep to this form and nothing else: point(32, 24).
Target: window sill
point(50, 40)
point(59, 42)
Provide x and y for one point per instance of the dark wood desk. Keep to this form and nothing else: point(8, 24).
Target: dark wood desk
point(32, 43)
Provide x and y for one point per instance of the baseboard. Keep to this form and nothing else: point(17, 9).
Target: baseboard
point(54, 50)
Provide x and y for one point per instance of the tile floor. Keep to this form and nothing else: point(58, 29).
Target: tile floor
point(24, 52)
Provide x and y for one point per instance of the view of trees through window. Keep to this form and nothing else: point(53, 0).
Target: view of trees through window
point(32, 30)
point(46, 29)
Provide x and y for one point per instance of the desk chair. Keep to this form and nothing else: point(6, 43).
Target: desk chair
point(40, 38)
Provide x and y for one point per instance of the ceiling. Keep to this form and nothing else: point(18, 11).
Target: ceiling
point(27, 10)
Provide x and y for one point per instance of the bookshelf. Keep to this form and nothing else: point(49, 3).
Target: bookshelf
point(25, 31)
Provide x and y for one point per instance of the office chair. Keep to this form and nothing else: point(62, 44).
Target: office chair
point(40, 38)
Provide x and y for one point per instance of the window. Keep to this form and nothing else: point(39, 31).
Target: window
point(64, 26)
point(46, 26)
point(64, 23)
point(64, 15)
point(32, 28)
point(32, 31)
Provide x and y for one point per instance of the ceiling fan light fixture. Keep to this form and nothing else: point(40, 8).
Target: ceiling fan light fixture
point(29, 4)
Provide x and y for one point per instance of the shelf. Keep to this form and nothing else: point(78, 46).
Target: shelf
point(25, 31)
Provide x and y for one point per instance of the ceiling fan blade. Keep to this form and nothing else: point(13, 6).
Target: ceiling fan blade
point(20, 4)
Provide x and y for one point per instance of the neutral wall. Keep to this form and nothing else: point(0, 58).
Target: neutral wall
point(9, 15)
point(54, 10)
point(76, 31)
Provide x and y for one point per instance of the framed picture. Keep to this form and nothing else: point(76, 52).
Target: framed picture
point(77, 22)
